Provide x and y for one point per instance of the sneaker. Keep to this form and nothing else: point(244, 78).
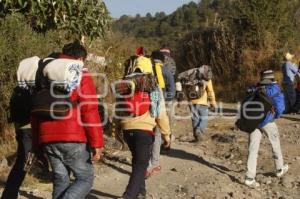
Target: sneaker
point(250, 182)
point(148, 173)
point(151, 171)
point(156, 168)
point(281, 172)
point(141, 196)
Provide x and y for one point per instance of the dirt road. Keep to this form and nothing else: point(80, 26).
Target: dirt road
point(215, 168)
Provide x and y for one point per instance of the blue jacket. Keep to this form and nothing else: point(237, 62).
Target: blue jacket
point(274, 92)
point(169, 90)
point(289, 71)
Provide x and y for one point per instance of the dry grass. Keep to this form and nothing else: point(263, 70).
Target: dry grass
point(8, 142)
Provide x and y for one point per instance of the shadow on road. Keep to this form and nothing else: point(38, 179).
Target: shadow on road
point(175, 153)
point(94, 194)
point(121, 170)
point(28, 195)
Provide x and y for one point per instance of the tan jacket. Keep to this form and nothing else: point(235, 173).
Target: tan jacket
point(208, 98)
point(146, 122)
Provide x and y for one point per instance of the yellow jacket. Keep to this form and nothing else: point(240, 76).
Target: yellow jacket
point(159, 75)
point(208, 98)
point(144, 64)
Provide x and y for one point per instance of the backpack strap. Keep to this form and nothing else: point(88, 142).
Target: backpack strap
point(40, 80)
point(154, 68)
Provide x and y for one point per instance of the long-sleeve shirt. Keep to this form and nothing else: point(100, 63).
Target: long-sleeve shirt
point(289, 71)
point(208, 97)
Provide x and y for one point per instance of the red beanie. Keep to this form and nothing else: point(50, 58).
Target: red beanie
point(139, 51)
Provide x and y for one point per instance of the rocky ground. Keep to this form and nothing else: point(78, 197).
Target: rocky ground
point(214, 168)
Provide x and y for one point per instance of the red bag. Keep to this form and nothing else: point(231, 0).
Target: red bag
point(138, 104)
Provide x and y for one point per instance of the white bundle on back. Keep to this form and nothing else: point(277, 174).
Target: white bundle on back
point(65, 74)
point(27, 71)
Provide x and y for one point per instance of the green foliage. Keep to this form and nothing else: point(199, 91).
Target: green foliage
point(160, 28)
point(19, 41)
point(259, 17)
point(240, 41)
point(238, 38)
point(80, 17)
point(116, 48)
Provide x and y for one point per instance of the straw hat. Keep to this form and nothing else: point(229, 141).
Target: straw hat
point(289, 56)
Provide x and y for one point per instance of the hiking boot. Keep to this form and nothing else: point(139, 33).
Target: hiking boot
point(281, 172)
point(250, 182)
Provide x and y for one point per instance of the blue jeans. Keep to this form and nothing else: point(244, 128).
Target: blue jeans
point(199, 117)
point(70, 157)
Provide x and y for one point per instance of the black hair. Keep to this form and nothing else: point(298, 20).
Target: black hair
point(158, 55)
point(54, 55)
point(75, 50)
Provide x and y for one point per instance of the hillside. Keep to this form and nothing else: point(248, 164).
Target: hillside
point(238, 38)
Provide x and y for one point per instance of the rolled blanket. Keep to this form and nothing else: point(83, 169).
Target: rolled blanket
point(195, 75)
point(135, 82)
point(143, 82)
point(27, 71)
point(64, 74)
point(123, 87)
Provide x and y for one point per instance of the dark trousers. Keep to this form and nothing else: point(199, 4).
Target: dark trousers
point(140, 144)
point(17, 174)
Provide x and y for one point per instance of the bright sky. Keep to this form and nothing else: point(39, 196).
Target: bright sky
point(118, 8)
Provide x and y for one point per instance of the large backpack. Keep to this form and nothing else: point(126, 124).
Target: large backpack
point(259, 106)
point(132, 104)
point(129, 65)
point(21, 99)
point(133, 91)
point(147, 65)
point(135, 81)
point(52, 98)
point(194, 81)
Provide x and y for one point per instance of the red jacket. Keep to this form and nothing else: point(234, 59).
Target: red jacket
point(84, 124)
